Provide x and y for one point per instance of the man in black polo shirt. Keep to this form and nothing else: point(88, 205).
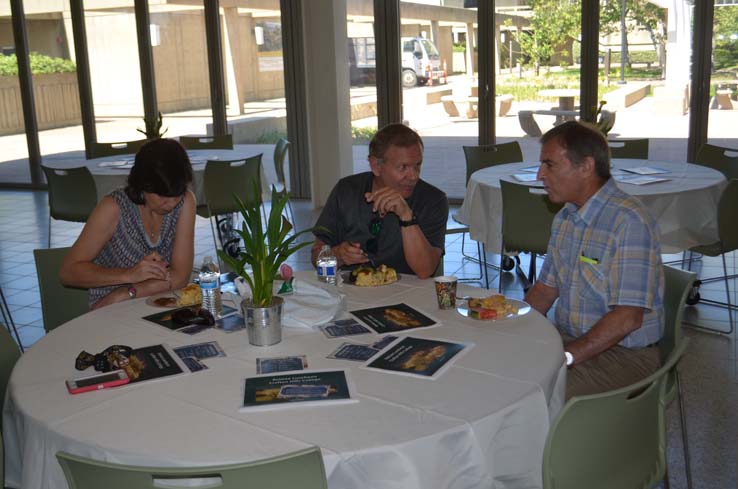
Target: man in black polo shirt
point(388, 214)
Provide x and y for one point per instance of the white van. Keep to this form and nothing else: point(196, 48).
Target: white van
point(420, 61)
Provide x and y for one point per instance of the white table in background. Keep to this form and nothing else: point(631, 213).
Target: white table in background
point(685, 206)
point(108, 178)
point(483, 423)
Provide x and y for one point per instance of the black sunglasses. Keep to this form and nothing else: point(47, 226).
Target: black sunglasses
point(375, 227)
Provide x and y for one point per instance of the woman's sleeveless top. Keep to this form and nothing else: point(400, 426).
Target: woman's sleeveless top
point(130, 243)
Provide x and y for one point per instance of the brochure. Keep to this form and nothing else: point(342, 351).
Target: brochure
point(343, 327)
point(426, 358)
point(192, 354)
point(639, 179)
point(390, 319)
point(306, 388)
point(152, 362)
point(281, 364)
point(646, 170)
point(353, 352)
point(229, 321)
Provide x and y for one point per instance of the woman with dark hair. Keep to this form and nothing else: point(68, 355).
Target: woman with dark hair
point(139, 240)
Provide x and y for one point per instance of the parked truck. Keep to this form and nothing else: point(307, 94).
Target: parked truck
point(420, 61)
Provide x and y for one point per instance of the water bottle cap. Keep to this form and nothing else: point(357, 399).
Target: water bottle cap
point(208, 259)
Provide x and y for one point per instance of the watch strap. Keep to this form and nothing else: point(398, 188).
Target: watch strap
point(411, 222)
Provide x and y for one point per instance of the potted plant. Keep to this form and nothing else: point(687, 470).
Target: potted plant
point(265, 248)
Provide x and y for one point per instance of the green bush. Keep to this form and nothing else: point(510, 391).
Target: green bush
point(363, 134)
point(271, 137)
point(40, 64)
point(459, 47)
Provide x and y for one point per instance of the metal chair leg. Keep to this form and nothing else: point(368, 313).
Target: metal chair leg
point(727, 305)
point(685, 438)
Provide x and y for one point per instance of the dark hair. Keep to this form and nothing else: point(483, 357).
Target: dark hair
point(161, 167)
point(580, 140)
point(395, 134)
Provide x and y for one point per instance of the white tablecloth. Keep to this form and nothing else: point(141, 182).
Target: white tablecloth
point(108, 178)
point(483, 423)
point(685, 206)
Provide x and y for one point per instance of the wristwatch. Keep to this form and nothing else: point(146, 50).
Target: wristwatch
point(132, 292)
point(411, 222)
point(569, 358)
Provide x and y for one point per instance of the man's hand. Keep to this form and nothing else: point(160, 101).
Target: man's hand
point(349, 253)
point(152, 266)
point(386, 200)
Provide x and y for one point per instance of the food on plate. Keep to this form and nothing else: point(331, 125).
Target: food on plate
point(492, 307)
point(370, 277)
point(166, 301)
point(190, 295)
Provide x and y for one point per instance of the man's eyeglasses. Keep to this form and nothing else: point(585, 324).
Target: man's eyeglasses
point(375, 227)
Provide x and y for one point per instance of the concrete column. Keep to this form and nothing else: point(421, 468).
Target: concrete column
point(679, 43)
point(69, 33)
point(232, 46)
point(434, 32)
point(470, 50)
point(327, 95)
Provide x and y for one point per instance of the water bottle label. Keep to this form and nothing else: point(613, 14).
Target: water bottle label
point(209, 285)
point(330, 271)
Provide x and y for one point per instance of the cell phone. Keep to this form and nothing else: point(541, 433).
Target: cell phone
point(98, 381)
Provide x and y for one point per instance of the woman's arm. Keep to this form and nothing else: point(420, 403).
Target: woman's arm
point(78, 269)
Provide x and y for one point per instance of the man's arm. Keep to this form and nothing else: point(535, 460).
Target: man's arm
point(541, 297)
point(607, 332)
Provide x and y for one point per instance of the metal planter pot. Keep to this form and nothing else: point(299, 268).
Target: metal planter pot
point(264, 324)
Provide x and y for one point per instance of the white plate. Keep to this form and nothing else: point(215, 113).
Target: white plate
point(347, 280)
point(523, 309)
point(151, 300)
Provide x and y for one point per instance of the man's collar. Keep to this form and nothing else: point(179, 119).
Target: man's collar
point(592, 207)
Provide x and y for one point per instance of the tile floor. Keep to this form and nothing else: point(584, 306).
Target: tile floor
point(709, 368)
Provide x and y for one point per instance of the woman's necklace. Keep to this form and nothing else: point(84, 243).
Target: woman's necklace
point(151, 230)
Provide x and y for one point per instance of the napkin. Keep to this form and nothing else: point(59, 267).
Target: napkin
point(309, 306)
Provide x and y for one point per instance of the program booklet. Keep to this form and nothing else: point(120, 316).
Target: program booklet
point(393, 318)
point(426, 358)
point(229, 320)
point(304, 388)
point(152, 362)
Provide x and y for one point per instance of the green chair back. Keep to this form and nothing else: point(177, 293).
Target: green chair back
point(727, 217)
point(479, 157)
point(303, 469)
point(280, 152)
point(59, 304)
point(677, 285)
point(9, 354)
point(636, 149)
point(526, 218)
point(72, 193)
point(224, 178)
point(224, 141)
point(724, 160)
point(613, 440)
point(100, 150)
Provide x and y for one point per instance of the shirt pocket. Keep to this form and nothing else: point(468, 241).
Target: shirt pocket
point(592, 281)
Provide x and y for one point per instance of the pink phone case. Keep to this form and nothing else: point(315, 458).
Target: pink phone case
point(96, 385)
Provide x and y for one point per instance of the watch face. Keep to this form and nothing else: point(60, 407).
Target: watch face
point(569, 358)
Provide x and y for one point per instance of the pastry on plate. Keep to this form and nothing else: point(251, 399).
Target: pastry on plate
point(190, 295)
point(370, 277)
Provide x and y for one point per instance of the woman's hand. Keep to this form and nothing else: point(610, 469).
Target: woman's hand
point(152, 266)
point(118, 295)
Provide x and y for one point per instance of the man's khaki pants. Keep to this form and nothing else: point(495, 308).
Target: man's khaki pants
point(614, 368)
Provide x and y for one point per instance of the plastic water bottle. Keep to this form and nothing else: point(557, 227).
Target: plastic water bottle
point(327, 265)
point(210, 286)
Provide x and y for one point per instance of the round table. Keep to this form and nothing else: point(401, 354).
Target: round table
point(482, 423)
point(685, 206)
point(111, 172)
point(566, 96)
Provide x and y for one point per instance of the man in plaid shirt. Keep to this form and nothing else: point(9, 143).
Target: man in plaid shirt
point(603, 264)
